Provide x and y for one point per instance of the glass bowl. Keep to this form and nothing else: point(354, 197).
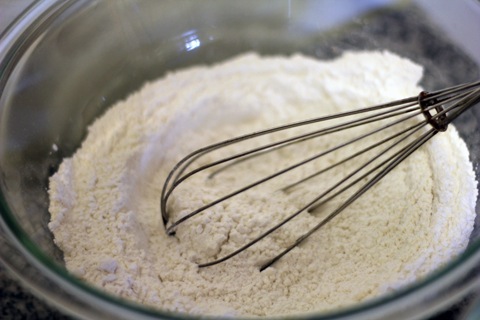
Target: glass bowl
point(63, 63)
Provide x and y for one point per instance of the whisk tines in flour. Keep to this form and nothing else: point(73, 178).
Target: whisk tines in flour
point(391, 132)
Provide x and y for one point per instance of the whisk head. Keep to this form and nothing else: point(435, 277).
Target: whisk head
point(390, 133)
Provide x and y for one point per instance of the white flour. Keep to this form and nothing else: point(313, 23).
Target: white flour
point(104, 201)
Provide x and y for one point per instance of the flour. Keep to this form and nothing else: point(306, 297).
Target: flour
point(104, 201)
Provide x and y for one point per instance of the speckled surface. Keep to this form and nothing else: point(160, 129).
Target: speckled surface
point(18, 303)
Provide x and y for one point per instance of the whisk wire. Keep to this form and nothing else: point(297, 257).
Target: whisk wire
point(348, 125)
point(182, 165)
point(366, 149)
point(187, 161)
point(301, 138)
point(316, 199)
point(170, 229)
point(408, 151)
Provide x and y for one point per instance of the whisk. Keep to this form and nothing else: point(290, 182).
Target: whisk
point(429, 113)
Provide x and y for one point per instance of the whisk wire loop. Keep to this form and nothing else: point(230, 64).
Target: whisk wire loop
point(312, 203)
point(274, 175)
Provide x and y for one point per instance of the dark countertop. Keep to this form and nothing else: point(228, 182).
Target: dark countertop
point(18, 303)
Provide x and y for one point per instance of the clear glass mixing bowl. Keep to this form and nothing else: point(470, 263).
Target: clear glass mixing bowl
point(62, 63)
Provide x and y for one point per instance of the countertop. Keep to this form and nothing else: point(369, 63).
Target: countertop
point(18, 303)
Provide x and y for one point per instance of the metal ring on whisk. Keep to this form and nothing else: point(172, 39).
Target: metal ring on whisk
point(438, 122)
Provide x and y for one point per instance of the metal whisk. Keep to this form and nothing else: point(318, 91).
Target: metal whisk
point(438, 108)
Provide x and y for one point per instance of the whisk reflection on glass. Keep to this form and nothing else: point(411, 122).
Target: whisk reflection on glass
point(426, 114)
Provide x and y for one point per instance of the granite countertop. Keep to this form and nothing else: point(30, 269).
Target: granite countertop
point(18, 303)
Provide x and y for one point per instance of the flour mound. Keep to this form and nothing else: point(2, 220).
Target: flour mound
point(104, 201)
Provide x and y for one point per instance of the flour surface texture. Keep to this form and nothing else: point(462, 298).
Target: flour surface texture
point(104, 200)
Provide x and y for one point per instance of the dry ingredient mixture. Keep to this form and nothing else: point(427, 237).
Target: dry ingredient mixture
point(104, 201)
